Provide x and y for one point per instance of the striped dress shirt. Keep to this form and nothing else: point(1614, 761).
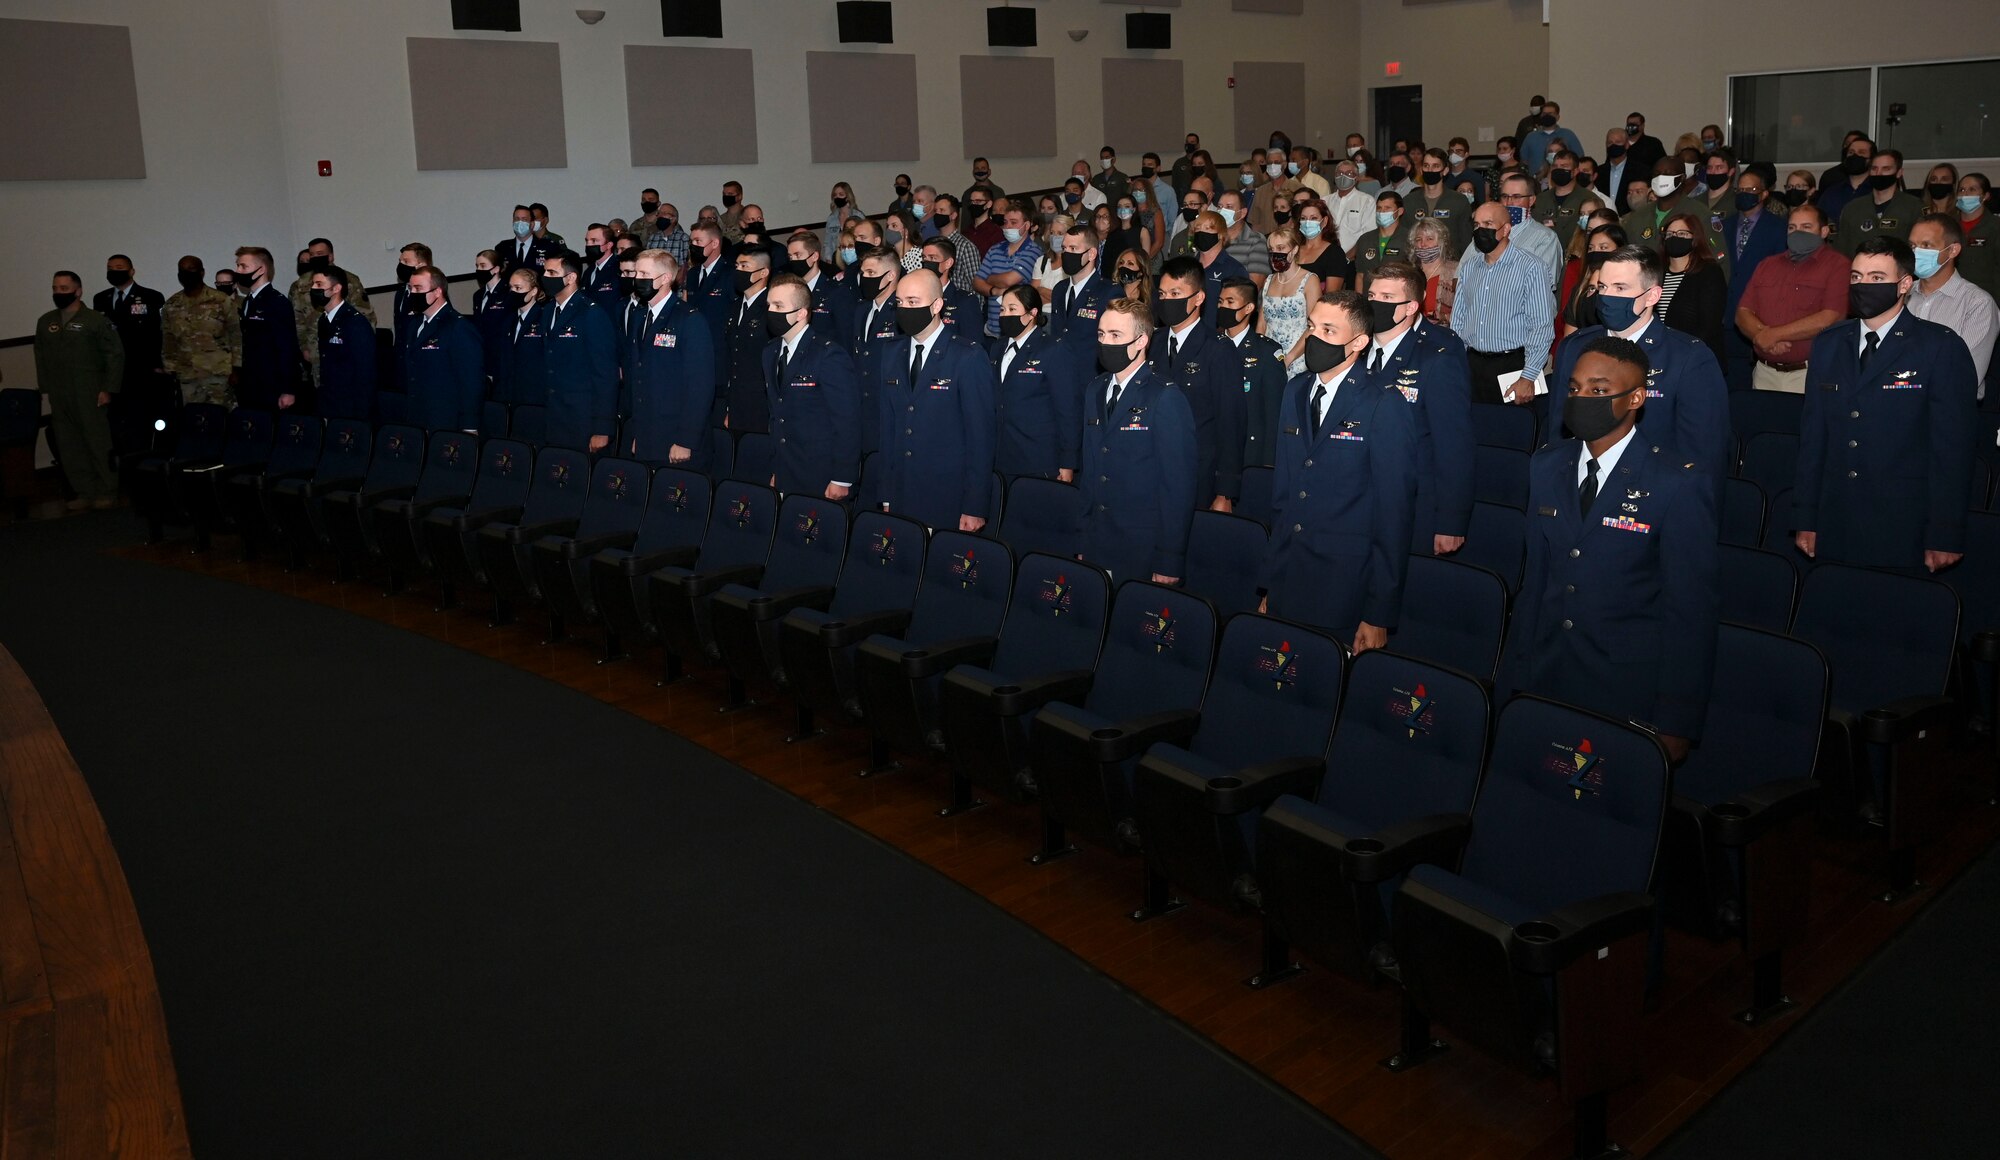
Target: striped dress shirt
point(1505, 304)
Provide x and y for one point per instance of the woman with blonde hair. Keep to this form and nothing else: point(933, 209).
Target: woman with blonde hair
point(1133, 280)
point(1431, 252)
point(1288, 296)
point(1048, 268)
point(840, 211)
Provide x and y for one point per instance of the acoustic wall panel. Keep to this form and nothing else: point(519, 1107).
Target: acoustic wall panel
point(663, 84)
point(1145, 3)
point(863, 106)
point(458, 89)
point(1281, 7)
point(1270, 94)
point(1008, 105)
point(1143, 106)
point(72, 102)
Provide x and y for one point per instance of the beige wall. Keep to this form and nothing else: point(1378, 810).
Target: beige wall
point(1478, 60)
point(1599, 77)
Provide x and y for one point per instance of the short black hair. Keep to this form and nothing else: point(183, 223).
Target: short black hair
point(336, 275)
point(119, 258)
point(1897, 248)
point(538, 207)
point(1954, 233)
point(1355, 307)
point(319, 242)
point(1248, 287)
point(72, 275)
point(1623, 350)
point(571, 263)
point(1183, 267)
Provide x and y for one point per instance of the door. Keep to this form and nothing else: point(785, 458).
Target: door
point(1399, 115)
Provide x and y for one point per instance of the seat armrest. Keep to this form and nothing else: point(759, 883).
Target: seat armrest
point(1744, 818)
point(319, 487)
point(1901, 720)
point(708, 583)
point(945, 655)
point(1986, 646)
point(271, 477)
point(369, 497)
point(854, 629)
point(1131, 738)
point(1381, 856)
point(529, 533)
point(1025, 696)
point(420, 508)
point(774, 605)
point(230, 470)
point(1255, 787)
point(591, 545)
point(473, 521)
point(680, 557)
point(1546, 945)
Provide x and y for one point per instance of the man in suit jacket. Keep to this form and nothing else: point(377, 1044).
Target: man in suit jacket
point(600, 282)
point(814, 400)
point(1344, 487)
point(1886, 438)
point(346, 348)
point(443, 370)
point(1137, 456)
point(580, 359)
point(268, 376)
point(524, 247)
point(1687, 402)
point(1040, 401)
point(1187, 354)
point(1433, 377)
point(1619, 607)
point(1264, 375)
point(1752, 234)
point(148, 391)
point(874, 332)
point(670, 372)
point(935, 392)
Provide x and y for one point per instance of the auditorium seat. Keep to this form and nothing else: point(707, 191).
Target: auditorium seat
point(807, 551)
point(1500, 475)
point(1264, 730)
point(198, 485)
point(1535, 948)
point(494, 419)
point(1738, 854)
point(1496, 539)
point(529, 423)
point(1759, 588)
point(1770, 460)
point(1048, 648)
point(559, 563)
point(1400, 779)
point(393, 469)
point(20, 430)
point(1042, 516)
point(1779, 526)
point(739, 541)
point(722, 455)
point(451, 471)
point(1979, 495)
point(1752, 413)
point(1742, 514)
point(296, 505)
point(1889, 641)
point(295, 449)
point(1454, 614)
point(876, 593)
point(1253, 498)
point(1976, 579)
point(500, 487)
point(391, 406)
point(1507, 425)
point(955, 620)
point(198, 438)
point(1225, 559)
point(670, 533)
point(755, 452)
point(1085, 742)
point(554, 507)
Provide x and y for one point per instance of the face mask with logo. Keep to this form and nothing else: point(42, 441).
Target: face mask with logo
point(1592, 417)
point(1516, 215)
point(1127, 275)
point(1280, 262)
point(1665, 185)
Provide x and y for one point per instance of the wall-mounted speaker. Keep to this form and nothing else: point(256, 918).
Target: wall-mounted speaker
point(1149, 30)
point(865, 22)
point(691, 18)
point(486, 15)
point(1010, 27)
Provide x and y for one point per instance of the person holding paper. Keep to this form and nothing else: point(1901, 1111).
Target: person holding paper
point(1503, 311)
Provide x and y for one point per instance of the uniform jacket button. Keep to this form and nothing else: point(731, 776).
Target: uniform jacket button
point(1575, 552)
point(1853, 474)
point(1568, 624)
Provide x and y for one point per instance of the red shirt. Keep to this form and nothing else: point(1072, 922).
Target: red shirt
point(1782, 291)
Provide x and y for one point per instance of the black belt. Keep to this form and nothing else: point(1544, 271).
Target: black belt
point(1498, 353)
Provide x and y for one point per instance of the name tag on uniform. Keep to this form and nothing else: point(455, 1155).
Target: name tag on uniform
point(1546, 511)
point(1627, 524)
point(666, 339)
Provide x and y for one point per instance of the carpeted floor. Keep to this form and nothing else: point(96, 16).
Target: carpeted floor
point(404, 901)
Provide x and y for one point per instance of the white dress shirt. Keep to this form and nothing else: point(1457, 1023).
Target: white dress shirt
point(1605, 462)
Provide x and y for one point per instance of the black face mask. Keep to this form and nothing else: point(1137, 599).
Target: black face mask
point(1795, 197)
point(902, 191)
point(484, 276)
point(1190, 149)
point(319, 265)
point(1613, 152)
point(913, 320)
point(403, 271)
point(244, 282)
point(417, 304)
point(1486, 239)
point(1561, 176)
point(62, 300)
point(1546, 120)
point(190, 280)
point(1127, 276)
point(1938, 190)
point(1592, 417)
point(1322, 356)
point(1113, 356)
point(776, 323)
point(1585, 311)
point(1280, 216)
point(840, 203)
point(118, 277)
point(1204, 241)
point(976, 208)
point(648, 207)
point(1072, 263)
point(1395, 174)
point(1433, 177)
point(729, 201)
point(1172, 311)
point(552, 285)
point(798, 267)
point(940, 220)
point(1747, 201)
point(1675, 247)
point(318, 298)
point(1188, 215)
point(630, 286)
point(1226, 319)
point(1385, 314)
point(1011, 325)
point(934, 267)
point(1870, 299)
point(868, 286)
point(513, 299)
point(1880, 181)
point(743, 280)
point(1147, 172)
point(1854, 165)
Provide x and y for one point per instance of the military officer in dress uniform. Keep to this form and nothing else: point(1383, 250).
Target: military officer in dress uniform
point(1263, 370)
point(875, 332)
point(443, 369)
point(1432, 375)
point(202, 337)
point(1687, 399)
point(832, 302)
point(1137, 457)
point(1344, 490)
point(1040, 401)
point(149, 393)
point(741, 404)
point(493, 315)
point(814, 400)
point(1886, 438)
point(935, 392)
point(964, 311)
point(1083, 293)
point(600, 280)
point(669, 371)
point(319, 256)
point(521, 376)
point(1619, 608)
point(1187, 354)
point(269, 372)
point(524, 247)
point(580, 359)
point(346, 342)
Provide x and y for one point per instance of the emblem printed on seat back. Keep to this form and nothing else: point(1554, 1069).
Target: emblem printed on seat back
point(1160, 627)
point(1415, 708)
point(1583, 768)
point(1279, 664)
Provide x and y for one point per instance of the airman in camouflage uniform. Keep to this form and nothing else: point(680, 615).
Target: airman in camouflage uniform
point(319, 256)
point(202, 332)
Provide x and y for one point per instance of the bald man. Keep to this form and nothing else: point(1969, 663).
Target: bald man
point(934, 397)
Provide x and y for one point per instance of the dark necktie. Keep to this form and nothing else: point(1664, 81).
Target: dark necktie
point(1587, 494)
point(1868, 344)
point(1013, 352)
point(1375, 368)
point(783, 359)
point(1173, 349)
point(521, 252)
point(1313, 410)
point(916, 363)
point(1742, 235)
point(1111, 398)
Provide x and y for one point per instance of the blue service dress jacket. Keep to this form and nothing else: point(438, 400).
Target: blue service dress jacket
point(346, 365)
point(1208, 369)
point(670, 375)
point(815, 415)
point(1040, 408)
point(936, 434)
point(580, 372)
point(1136, 481)
point(1687, 399)
point(444, 372)
point(1432, 376)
